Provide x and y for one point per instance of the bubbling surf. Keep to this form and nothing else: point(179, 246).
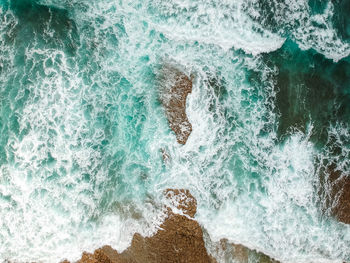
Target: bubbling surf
point(83, 130)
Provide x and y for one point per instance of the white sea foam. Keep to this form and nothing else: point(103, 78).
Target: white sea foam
point(47, 217)
point(287, 207)
point(317, 32)
point(223, 24)
point(234, 204)
point(250, 189)
point(7, 31)
point(311, 31)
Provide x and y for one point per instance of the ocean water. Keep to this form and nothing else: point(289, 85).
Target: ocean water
point(82, 130)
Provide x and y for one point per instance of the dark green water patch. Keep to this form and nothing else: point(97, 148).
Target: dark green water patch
point(317, 6)
point(282, 16)
point(49, 27)
point(341, 18)
point(309, 89)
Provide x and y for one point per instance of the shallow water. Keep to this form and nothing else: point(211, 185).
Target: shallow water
point(82, 128)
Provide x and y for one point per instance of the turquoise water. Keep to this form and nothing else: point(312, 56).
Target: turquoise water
point(82, 128)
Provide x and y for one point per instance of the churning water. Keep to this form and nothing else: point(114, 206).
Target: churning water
point(81, 126)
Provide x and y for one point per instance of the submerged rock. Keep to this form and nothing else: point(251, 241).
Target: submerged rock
point(165, 156)
point(180, 239)
point(174, 87)
point(225, 251)
point(338, 194)
point(243, 254)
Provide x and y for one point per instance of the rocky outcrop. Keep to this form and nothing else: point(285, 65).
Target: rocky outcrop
point(180, 239)
point(174, 87)
point(338, 194)
point(240, 253)
point(226, 251)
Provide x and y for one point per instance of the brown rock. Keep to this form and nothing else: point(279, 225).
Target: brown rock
point(338, 187)
point(240, 253)
point(183, 200)
point(107, 254)
point(180, 239)
point(174, 87)
point(88, 258)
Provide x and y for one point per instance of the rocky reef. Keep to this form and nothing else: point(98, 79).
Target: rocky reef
point(180, 239)
point(337, 194)
point(225, 251)
point(174, 87)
